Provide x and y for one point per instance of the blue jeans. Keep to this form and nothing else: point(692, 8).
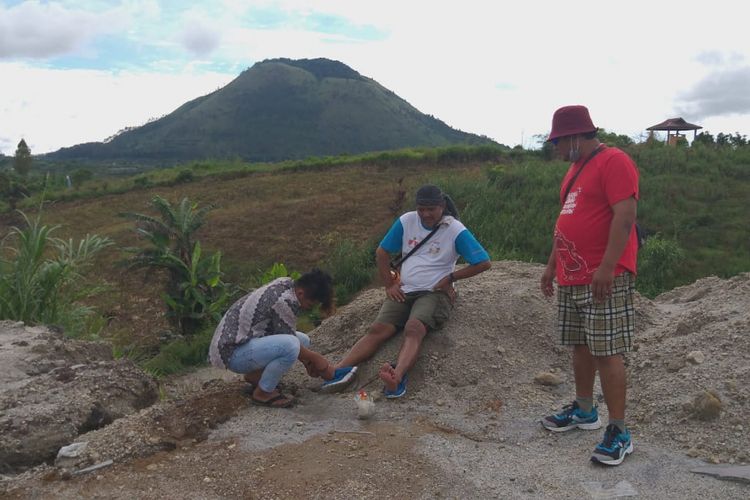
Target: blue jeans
point(275, 354)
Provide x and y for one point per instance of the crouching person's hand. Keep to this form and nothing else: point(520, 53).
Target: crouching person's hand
point(315, 364)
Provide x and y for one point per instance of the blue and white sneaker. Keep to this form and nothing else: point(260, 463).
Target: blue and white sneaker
point(572, 417)
point(400, 389)
point(342, 377)
point(615, 446)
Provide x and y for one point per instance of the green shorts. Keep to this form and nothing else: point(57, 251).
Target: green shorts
point(431, 308)
point(606, 328)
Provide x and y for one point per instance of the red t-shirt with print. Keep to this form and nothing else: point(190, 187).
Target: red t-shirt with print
point(582, 229)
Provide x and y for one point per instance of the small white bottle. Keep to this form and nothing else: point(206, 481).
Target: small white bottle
point(365, 405)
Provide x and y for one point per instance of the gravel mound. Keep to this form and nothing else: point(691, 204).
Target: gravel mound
point(690, 379)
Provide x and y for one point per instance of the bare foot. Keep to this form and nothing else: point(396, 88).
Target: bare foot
point(388, 375)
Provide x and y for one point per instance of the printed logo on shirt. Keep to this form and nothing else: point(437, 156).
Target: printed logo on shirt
point(570, 202)
point(574, 266)
point(434, 248)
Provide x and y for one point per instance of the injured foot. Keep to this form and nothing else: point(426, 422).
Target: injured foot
point(388, 375)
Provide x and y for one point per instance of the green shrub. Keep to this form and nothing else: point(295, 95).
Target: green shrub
point(195, 294)
point(80, 176)
point(41, 277)
point(180, 355)
point(659, 263)
point(352, 267)
point(142, 181)
point(277, 270)
point(184, 176)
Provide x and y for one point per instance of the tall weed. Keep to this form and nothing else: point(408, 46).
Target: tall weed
point(352, 267)
point(658, 264)
point(42, 277)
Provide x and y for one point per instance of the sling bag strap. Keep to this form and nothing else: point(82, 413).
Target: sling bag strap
point(397, 263)
point(595, 152)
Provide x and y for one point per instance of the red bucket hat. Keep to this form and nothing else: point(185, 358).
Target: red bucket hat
point(571, 120)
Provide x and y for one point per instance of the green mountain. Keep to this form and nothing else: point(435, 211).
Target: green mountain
point(280, 109)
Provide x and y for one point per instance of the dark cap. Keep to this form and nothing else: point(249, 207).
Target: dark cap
point(571, 120)
point(430, 195)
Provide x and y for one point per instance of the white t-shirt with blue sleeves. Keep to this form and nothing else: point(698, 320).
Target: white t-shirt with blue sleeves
point(436, 258)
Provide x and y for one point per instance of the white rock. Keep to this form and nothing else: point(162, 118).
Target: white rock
point(546, 378)
point(696, 357)
point(72, 450)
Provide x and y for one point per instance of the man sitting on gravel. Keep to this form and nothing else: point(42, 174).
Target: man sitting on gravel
point(258, 338)
point(594, 257)
point(421, 297)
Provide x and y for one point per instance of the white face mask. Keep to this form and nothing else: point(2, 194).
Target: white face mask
point(575, 154)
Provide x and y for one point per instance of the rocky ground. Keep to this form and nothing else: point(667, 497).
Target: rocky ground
point(52, 389)
point(468, 427)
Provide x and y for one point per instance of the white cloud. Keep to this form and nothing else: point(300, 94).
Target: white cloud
point(719, 58)
point(725, 92)
point(88, 105)
point(41, 30)
point(7, 145)
point(199, 38)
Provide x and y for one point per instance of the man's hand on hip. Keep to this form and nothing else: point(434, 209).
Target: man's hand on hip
point(445, 285)
point(394, 292)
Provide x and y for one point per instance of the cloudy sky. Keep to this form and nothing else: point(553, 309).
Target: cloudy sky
point(79, 71)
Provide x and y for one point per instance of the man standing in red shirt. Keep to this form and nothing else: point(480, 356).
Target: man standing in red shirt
point(594, 260)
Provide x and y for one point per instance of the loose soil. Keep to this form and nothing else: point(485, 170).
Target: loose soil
point(468, 426)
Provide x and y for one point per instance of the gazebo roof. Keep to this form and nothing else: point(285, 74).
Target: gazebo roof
point(675, 124)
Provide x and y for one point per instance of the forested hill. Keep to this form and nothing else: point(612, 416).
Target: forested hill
point(280, 109)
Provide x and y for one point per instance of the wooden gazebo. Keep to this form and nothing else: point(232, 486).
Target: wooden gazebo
point(675, 125)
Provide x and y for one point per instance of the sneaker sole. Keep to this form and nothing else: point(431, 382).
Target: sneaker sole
point(592, 426)
point(396, 396)
point(605, 460)
point(341, 384)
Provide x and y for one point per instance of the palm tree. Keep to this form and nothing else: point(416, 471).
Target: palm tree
point(173, 232)
point(194, 290)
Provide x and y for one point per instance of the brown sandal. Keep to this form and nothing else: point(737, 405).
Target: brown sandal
point(249, 388)
point(283, 401)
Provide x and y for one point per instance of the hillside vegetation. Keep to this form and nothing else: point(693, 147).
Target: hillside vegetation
point(279, 109)
point(332, 212)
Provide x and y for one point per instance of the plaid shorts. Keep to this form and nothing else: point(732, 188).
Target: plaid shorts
point(606, 328)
